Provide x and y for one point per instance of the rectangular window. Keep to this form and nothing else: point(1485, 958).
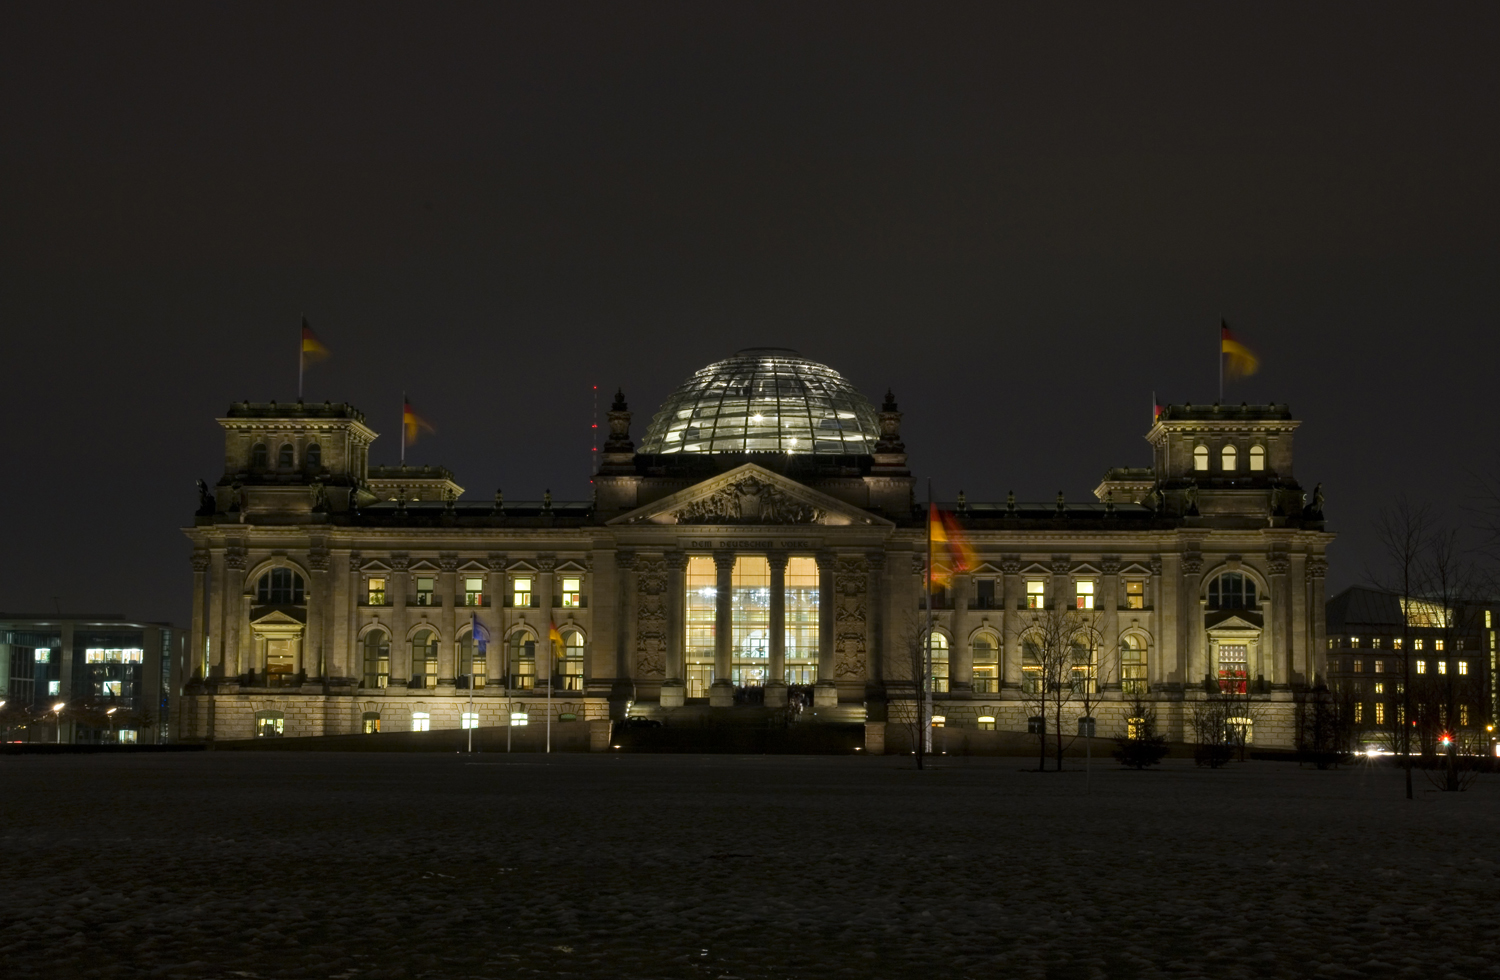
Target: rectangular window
point(421, 721)
point(1421, 666)
point(1379, 713)
point(424, 591)
point(801, 620)
point(1416, 644)
point(572, 593)
point(1036, 592)
point(1233, 666)
point(1379, 687)
point(375, 592)
point(986, 723)
point(1380, 666)
point(1359, 712)
point(984, 593)
point(1486, 619)
point(1437, 644)
point(110, 689)
point(519, 719)
point(1359, 666)
point(127, 736)
point(750, 618)
point(54, 687)
point(700, 613)
point(1374, 643)
point(1463, 715)
point(98, 655)
point(1442, 666)
point(1135, 594)
point(521, 593)
point(1331, 645)
point(1354, 643)
point(1396, 643)
point(44, 656)
point(474, 590)
point(470, 719)
point(1083, 589)
point(1463, 668)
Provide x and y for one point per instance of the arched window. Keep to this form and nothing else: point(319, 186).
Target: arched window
point(287, 458)
point(1231, 590)
point(1132, 665)
point(1257, 458)
point(280, 587)
point(1228, 459)
point(259, 459)
point(377, 659)
point(473, 661)
point(313, 457)
point(424, 650)
point(572, 661)
point(1031, 665)
point(939, 648)
point(270, 724)
point(1082, 654)
point(1200, 459)
point(986, 663)
point(522, 660)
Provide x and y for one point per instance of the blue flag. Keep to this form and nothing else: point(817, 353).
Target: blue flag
point(479, 637)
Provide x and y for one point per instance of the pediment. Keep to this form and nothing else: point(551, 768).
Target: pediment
point(570, 565)
point(1086, 570)
point(1233, 622)
point(275, 620)
point(750, 495)
point(473, 567)
point(1135, 568)
point(423, 566)
point(374, 565)
point(1036, 568)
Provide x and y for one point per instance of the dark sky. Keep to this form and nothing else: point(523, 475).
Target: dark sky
point(1023, 218)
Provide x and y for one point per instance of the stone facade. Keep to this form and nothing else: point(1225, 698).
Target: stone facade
point(1206, 566)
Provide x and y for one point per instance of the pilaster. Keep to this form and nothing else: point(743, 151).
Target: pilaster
point(1010, 622)
point(194, 669)
point(826, 692)
point(319, 607)
point(400, 649)
point(960, 653)
point(775, 689)
point(1109, 667)
point(721, 693)
point(447, 665)
point(673, 688)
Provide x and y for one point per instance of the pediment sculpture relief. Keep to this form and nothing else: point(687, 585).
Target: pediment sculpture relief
point(750, 500)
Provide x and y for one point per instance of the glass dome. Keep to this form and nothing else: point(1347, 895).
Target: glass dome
point(764, 399)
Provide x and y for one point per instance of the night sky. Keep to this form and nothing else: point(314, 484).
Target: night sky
point(1024, 219)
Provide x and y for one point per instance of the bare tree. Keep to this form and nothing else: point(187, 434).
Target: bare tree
point(1403, 529)
point(1447, 694)
point(913, 637)
point(1056, 668)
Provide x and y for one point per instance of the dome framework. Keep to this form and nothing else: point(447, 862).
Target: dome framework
point(764, 399)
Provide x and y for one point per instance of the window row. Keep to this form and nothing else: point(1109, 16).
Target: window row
point(1043, 667)
point(1374, 643)
point(1229, 458)
point(521, 594)
point(286, 457)
point(517, 668)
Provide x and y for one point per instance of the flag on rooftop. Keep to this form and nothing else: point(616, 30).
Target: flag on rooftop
point(1239, 360)
point(313, 349)
point(411, 422)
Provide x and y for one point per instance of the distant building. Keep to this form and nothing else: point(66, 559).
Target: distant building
point(764, 544)
point(1449, 648)
point(111, 675)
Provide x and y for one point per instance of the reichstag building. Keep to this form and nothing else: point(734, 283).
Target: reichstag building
point(762, 545)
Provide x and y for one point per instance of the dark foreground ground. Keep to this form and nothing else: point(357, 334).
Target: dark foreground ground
point(230, 865)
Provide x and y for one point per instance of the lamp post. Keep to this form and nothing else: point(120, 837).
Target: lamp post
point(57, 714)
point(110, 714)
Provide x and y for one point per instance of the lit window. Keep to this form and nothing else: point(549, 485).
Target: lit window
point(572, 589)
point(1200, 459)
point(938, 721)
point(1135, 727)
point(1416, 644)
point(424, 590)
point(375, 592)
point(522, 661)
point(1442, 666)
point(521, 593)
point(421, 721)
point(750, 621)
point(370, 722)
point(1379, 713)
point(1257, 458)
point(1486, 619)
point(473, 659)
point(1421, 666)
point(1437, 644)
point(269, 724)
point(54, 687)
point(1036, 591)
point(1359, 666)
point(1396, 643)
point(100, 655)
point(1241, 731)
point(1228, 459)
point(1379, 687)
point(1354, 643)
point(1374, 643)
point(1135, 594)
point(470, 720)
point(1331, 644)
point(1380, 666)
point(44, 656)
point(1132, 665)
point(1231, 590)
point(127, 736)
point(110, 689)
point(1084, 590)
point(986, 654)
point(474, 591)
point(1359, 712)
point(1429, 614)
point(700, 612)
point(1233, 667)
point(1463, 667)
point(939, 650)
point(377, 659)
point(519, 719)
point(572, 666)
point(280, 586)
point(1031, 665)
point(424, 652)
point(986, 723)
point(1463, 714)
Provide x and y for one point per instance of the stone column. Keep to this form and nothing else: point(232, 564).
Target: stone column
point(492, 618)
point(1010, 622)
point(1109, 656)
point(674, 688)
point(340, 653)
point(775, 689)
point(1275, 655)
point(875, 635)
point(400, 649)
point(826, 693)
point(623, 689)
point(721, 694)
point(1170, 667)
point(1062, 597)
point(1191, 620)
point(448, 648)
point(960, 653)
point(319, 606)
point(236, 613)
point(1317, 644)
point(215, 632)
point(354, 666)
point(194, 668)
point(546, 657)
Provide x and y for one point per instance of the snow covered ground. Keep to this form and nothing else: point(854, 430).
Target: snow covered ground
point(240, 865)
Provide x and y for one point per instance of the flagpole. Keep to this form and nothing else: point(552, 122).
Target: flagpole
point(550, 654)
point(926, 709)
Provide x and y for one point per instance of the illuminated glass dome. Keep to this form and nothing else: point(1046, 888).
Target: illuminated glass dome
point(764, 399)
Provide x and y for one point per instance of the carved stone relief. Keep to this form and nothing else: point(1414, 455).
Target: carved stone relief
point(850, 626)
point(651, 617)
point(749, 500)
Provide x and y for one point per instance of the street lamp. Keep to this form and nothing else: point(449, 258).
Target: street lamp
point(57, 713)
point(110, 715)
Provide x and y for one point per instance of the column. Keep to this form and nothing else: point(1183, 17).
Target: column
point(216, 630)
point(314, 634)
point(1317, 644)
point(400, 649)
point(1191, 621)
point(1109, 656)
point(353, 666)
point(623, 688)
point(448, 618)
point(826, 693)
point(960, 653)
point(235, 660)
point(546, 657)
point(721, 694)
point(1277, 659)
point(1010, 623)
point(194, 668)
point(775, 689)
point(491, 618)
point(1170, 668)
point(875, 635)
point(673, 689)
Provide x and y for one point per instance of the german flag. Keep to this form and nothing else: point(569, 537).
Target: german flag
point(313, 349)
point(556, 637)
point(949, 541)
point(1241, 361)
point(412, 422)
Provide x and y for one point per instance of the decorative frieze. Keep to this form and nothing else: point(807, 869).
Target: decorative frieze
point(651, 617)
point(850, 626)
point(749, 500)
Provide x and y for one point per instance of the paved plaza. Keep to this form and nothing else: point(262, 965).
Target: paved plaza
point(362, 866)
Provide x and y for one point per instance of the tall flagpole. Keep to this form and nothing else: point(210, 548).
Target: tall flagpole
point(551, 651)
